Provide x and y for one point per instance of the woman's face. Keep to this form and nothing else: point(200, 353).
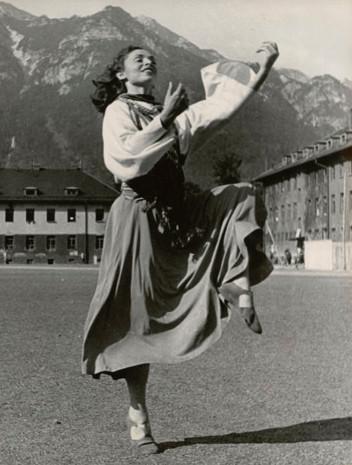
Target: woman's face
point(139, 68)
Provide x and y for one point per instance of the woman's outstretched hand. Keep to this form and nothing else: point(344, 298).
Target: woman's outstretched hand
point(268, 53)
point(175, 102)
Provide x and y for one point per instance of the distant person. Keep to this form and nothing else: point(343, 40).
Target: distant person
point(171, 265)
point(288, 257)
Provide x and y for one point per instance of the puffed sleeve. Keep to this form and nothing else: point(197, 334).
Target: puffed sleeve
point(129, 152)
point(227, 86)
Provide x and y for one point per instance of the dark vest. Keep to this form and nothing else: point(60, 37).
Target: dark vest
point(163, 187)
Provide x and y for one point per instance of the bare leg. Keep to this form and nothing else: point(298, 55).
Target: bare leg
point(137, 378)
point(138, 421)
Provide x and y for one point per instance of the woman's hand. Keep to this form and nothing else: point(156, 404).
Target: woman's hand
point(268, 53)
point(175, 102)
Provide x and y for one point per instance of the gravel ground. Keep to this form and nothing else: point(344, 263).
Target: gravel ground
point(277, 399)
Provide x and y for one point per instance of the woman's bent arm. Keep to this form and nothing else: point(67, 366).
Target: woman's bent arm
point(129, 152)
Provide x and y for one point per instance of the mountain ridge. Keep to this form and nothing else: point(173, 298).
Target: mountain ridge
point(46, 69)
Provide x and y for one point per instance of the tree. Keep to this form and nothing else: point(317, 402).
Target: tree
point(226, 168)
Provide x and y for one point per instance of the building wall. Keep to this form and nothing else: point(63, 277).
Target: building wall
point(314, 198)
point(328, 255)
point(88, 234)
point(59, 226)
point(86, 250)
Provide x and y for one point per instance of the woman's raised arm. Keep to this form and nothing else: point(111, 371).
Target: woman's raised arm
point(228, 85)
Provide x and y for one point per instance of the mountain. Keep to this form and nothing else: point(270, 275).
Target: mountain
point(322, 102)
point(347, 83)
point(46, 69)
point(6, 9)
point(177, 41)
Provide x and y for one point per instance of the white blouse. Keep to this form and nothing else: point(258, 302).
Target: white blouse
point(129, 152)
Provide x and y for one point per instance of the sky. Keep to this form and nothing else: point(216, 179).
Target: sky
point(314, 36)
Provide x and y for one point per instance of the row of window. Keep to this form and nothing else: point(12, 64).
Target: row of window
point(317, 177)
point(288, 212)
point(51, 215)
point(34, 191)
point(30, 242)
point(285, 236)
point(311, 234)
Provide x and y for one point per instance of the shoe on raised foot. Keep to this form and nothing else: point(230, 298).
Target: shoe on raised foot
point(242, 299)
point(248, 313)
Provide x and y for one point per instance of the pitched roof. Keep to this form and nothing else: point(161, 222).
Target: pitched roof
point(51, 185)
point(323, 152)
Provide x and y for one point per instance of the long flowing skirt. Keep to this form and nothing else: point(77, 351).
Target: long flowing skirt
point(157, 304)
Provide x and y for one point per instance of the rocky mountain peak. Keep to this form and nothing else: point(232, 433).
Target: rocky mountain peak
point(176, 40)
point(293, 74)
point(6, 9)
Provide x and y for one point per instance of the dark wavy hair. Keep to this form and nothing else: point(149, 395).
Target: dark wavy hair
point(108, 86)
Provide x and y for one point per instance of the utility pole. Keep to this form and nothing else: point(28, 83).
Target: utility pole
point(344, 219)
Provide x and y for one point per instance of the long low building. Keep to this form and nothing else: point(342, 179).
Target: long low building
point(52, 216)
point(309, 202)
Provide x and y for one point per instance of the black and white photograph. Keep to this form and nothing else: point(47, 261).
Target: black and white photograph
point(176, 232)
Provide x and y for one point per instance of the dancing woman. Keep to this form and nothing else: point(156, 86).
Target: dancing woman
point(172, 266)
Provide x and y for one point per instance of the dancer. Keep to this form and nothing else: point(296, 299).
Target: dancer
point(173, 266)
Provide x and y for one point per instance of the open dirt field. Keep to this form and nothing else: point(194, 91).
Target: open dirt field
point(278, 399)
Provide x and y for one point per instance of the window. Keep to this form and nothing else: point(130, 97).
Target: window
point(71, 215)
point(276, 214)
point(99, 214)
point(71, 191)
point(349, 167)
point(9, 242)
point(9, 215)
point(282, 214)
point(99, 242)
point(51, 242)
point(288, 211)
point(317, 177)
point(317, 208)
point(295, 210)
point(30, 191)
point(71, 242)
point(50, 215)
point(325, 205)
point(350, 201)
point(333, 204)
point(333, 172)
point(30, 215)
point(341, 169)
point(342, 202)
point(294, 180)
point(30, 242)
